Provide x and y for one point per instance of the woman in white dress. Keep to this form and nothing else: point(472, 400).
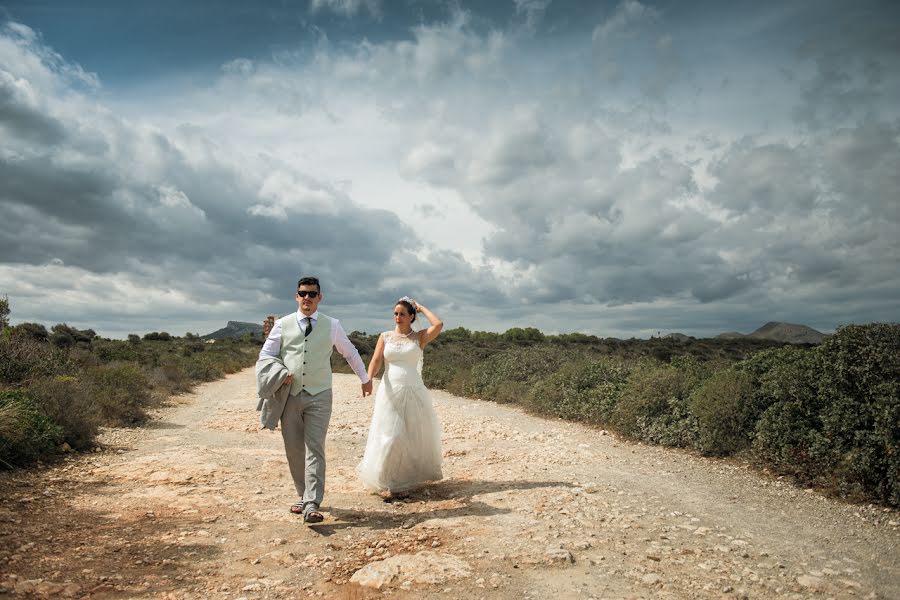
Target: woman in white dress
point(404, 446)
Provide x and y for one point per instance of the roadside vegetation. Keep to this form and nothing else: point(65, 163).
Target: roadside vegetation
point(58, 387)
point(826, 415)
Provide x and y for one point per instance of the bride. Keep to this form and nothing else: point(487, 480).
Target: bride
point(404, 446)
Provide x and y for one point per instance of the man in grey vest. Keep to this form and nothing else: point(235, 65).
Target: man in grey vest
point(303, 342)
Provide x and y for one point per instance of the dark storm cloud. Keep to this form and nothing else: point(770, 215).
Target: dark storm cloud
point(853, 68)
point(85, 190)
point(619, 184)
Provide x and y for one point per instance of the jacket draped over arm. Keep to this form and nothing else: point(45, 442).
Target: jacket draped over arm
point(270, 373)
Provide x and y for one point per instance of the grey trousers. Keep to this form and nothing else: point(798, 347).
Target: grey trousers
point(304, 424)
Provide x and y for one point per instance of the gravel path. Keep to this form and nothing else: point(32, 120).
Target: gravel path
point(195, 506)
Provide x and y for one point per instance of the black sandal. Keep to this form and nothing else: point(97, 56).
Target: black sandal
point(311, 513)
point(297, 508)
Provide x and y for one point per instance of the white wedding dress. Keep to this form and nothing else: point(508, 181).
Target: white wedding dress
point(404, 446)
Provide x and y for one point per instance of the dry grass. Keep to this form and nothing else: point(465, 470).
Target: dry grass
point(10, 416)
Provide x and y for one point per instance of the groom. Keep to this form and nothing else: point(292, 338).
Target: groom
point(302, 342)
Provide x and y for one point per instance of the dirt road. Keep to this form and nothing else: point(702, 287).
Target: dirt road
point(196, 506)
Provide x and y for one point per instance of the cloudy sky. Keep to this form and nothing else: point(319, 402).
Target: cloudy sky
point(618, 168)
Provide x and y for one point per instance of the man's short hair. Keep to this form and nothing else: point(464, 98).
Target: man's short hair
point(309, 281)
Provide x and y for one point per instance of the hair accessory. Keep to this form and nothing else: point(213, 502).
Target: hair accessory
point(410, 301)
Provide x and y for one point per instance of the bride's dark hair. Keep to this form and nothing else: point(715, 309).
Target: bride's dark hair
point(409, 308)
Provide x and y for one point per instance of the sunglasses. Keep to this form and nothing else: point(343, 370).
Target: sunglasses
point(304, 294)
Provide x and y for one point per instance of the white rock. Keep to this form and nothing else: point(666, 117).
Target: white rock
point(424, 567)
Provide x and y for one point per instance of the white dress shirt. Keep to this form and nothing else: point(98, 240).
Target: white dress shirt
point(339, 339)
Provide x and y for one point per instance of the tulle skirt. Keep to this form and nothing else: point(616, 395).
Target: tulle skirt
point(404, 446)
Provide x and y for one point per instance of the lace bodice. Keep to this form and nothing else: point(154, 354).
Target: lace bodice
point(403, 357)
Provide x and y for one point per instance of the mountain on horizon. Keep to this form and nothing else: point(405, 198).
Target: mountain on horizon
point(680, 337)
point(235, 329)
point(790, 333)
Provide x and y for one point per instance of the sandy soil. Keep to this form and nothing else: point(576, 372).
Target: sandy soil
point(196, 506)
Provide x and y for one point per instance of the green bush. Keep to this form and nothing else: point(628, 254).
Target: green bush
point(788, 432)
point(169, 379)
point(508, 375)
point(122, 393)
point(201, 368)
point(859, 391)
point(115, 350)
point(71, 386)
point(722, 406)
point(585, 391)
point(26, 435)
point(65, 336)
point(655, 405)
point(70, 403)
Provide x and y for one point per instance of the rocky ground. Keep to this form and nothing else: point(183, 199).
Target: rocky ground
point(196, 506)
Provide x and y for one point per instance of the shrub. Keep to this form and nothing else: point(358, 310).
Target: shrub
point(70, 403)
point(507, 376)
point(156, 336)
point(528, 334)
point(65, 336)
point(32, 330)
point(722, 406)
point(859, 389)
point(655, 405)
point(168, 379)
point(62, 339)
point(453, 378)
point(26, 435)
point(23, 359)
point(459, 334)
point(122, 393)
point(113, 350)
point(789, 429)
point(586, 391)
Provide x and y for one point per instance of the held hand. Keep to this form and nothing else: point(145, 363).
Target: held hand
point(288, 380)
point(367, 388)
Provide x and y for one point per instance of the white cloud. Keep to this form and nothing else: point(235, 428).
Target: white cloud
point(500, 180)
point(628, 15)
point(533, 10)
point(140, 206)
point(348, 8)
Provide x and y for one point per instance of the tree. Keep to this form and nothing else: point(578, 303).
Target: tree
point(62, 338)
point(529, 334)
point(32, 330)
point(4, 312)
point(63, 333)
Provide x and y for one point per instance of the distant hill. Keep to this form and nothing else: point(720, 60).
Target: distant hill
point(235, 329)
point(730, 335)
point(781, 332)
point(679, 337)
